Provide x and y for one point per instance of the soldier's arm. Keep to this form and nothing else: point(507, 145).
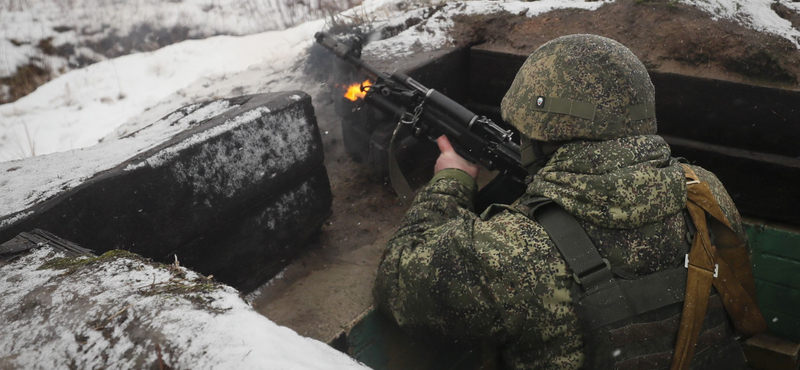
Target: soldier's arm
point(429, 281)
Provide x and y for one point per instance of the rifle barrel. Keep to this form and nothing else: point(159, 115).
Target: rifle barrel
point(344, 52)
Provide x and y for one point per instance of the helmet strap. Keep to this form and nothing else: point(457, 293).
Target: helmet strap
point(536, 153)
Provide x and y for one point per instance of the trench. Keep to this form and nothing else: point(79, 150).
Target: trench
point(747, 135)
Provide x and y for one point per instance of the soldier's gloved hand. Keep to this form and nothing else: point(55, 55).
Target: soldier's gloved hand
point(450, 159)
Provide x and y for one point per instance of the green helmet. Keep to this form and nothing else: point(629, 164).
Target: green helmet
point(581, 87)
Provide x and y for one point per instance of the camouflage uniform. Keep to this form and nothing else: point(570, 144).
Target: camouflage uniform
point(498, 280)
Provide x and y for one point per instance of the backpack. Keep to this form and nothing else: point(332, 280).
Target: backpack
point(678, 318)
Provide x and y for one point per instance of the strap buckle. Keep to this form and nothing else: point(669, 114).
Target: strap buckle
point(686, 265)
point(595, 270)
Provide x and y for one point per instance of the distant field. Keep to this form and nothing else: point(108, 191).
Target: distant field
point(41, 39)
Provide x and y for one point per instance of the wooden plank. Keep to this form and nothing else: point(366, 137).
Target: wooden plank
point(773, 199)
point(778, 270)
point(765, 352)
point(491, 74)
point(725, 113)
point(719, 112)
point(377, 342)
point(774, 241)
point(780, 299)
point(782, 325)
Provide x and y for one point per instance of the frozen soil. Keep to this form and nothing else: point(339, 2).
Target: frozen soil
point(666, 35)
point(325, 289)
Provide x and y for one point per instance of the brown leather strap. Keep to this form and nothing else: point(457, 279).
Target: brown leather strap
point(705, 259)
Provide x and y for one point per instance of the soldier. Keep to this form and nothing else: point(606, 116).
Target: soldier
point(585, 106)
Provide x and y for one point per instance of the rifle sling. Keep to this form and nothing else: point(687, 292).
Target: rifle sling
point(396, 177)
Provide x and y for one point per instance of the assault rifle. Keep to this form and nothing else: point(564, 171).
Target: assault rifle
point(429, 114)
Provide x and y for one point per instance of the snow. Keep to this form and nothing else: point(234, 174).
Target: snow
point(756, 14)
point(83, 22)
point(250, 298)
point(26, 182)
point(259, 153)
point(114, 98)
point(432, 32)
point(165, 155)
point(78, 108)
point(81, 107)
point(52, 318)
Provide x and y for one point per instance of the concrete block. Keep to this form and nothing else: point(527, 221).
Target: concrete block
point(234, 187)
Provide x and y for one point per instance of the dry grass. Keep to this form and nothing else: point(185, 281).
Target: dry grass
point(25, 81)
point(148, 36)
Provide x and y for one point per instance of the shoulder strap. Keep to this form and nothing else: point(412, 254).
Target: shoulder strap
point(603, 299)
point(708, 265)
point(588, 267)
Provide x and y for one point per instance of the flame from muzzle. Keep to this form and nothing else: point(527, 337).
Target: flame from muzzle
point(354, 91)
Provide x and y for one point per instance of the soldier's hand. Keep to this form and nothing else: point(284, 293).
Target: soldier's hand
point(450, 159)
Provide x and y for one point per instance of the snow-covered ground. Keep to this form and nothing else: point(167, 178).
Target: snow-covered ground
point(112, 315)
point(82, 106)
point(78, 108)
point(101, 27)
point(117, 96)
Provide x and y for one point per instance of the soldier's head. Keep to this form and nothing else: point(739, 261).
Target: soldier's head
point(581, 87)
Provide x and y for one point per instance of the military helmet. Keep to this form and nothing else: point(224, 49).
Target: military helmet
point(581, 87)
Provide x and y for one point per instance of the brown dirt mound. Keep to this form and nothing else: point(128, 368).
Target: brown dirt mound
point(666, 36)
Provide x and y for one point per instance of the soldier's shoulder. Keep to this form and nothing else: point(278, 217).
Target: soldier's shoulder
point(507, 233)
point(723, 197)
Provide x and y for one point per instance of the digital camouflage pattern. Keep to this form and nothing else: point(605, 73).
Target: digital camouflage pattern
point(621, 183)
point(590, 71)
point(497, 280)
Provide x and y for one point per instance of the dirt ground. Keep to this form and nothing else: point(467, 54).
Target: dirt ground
point(330, 285)
point(665, 35)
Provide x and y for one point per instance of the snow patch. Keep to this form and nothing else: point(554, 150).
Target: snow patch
point(12, 220)
point(755, 14)
point(80, 107)
point(286, 209)
point(114, 313)
point(132, 167)
point(27, 182)
point(81, 23)
point(432, 32)
point(165, 155)
point(253, 151)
